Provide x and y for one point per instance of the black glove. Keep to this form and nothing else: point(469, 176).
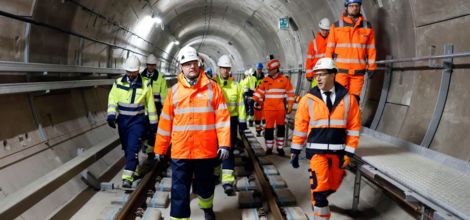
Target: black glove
point(294, 160)
point(111, 121)
point(159, 157)
point(153, 129)
point(371, 74)
point(112, 124)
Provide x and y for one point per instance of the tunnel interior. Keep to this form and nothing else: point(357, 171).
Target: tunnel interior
point(45, 128)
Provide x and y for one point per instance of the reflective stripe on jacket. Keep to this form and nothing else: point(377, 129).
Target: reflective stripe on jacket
point(316, 50)
point(131, 99)
point(352, 45)
point(234, 97)
point(327, 132)
point(272, 91)
point(195, 119)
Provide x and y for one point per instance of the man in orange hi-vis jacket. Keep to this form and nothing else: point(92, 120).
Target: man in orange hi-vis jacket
point(352, 44)
point(329, 120)
point(316, 49)
point(270, 94)
point(196, 120)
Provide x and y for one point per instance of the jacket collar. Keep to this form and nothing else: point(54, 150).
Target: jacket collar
point(278, 75)
point(340, 92)
point(220, 81)
point(201, 81)
point(137, 84)
point(319, 36)
point(349, 20)
point(154, 77)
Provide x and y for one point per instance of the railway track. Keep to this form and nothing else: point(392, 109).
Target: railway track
point(270, 206)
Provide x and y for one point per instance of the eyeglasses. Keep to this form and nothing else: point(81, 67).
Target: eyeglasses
point(321, 74)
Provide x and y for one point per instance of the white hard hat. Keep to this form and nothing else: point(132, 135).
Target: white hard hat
point(151, 59)
point(249, 72)
point(224, 61)
point(324, 24)
point(187, 54)
point(132, 64)
point(325, 64)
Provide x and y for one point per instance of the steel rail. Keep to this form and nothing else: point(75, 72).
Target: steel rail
point(263, 182)
point(138, 197)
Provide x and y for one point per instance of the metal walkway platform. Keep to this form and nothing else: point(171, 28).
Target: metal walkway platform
point(429, 177)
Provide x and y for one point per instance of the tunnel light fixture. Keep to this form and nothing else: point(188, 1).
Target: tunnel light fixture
point(157, 20)
point(176, 42)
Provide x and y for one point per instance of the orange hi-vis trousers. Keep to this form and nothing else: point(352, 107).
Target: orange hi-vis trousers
point(258, 115)
point(326, 175)
point(274, 118)
point(353, 83)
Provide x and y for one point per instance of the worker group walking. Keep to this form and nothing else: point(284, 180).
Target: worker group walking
point(196, 122)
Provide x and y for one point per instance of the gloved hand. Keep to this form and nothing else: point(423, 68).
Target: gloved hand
point(111, 121)
point(242, 127)
point(371, 74)
point(112, 124)
point(147, 148)
point(346, 161)
point(153, 129)
point(294, 160)
point(223, 153)
point(289, 109)
point(159, 157)
point(257, 106)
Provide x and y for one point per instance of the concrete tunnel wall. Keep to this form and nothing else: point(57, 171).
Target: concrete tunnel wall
point(403, 29)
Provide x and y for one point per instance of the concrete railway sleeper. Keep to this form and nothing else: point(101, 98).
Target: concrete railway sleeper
point(279, 199)
point(262, 193)
point(150, 194)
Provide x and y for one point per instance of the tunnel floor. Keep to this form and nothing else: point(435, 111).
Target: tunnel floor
point(106, 203)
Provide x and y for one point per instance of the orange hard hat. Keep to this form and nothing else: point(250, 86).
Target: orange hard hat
point(273, 64)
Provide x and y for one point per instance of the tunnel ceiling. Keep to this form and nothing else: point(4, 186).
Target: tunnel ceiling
point(235, 25)
point(248, 27)
point(247, 30)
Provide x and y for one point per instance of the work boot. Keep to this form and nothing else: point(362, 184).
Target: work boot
point(250, 123)
point(281, 152)
point(258, 133)
point(126, 183)
point(209, 214)
point(228, 189)
point(269, 151)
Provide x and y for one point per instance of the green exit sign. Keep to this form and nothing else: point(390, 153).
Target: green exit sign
point(283, 23)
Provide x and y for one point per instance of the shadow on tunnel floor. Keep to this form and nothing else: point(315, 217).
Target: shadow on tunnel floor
point(368, 213)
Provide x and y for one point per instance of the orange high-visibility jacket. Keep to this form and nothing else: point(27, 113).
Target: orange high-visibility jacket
point(195, 119)
point(324, 131)
point(316, 50)
point(272, 91)
point(352, 45)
